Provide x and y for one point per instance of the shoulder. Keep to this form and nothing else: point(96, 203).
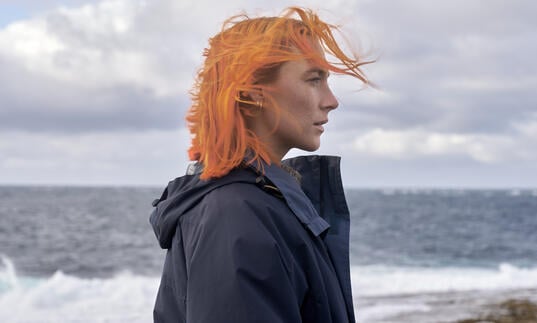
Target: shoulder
point(237, 220)
point(241, 194)
point(240, 204)
point(243, 222)
point(241, 210)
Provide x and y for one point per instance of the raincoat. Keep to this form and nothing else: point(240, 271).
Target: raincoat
point(254, 247)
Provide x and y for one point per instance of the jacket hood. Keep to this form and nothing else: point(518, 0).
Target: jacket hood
point(177, 197)
point(182, 194)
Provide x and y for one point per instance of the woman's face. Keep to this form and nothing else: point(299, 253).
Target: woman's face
point(302, 93)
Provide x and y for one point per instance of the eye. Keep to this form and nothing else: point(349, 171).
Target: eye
point(315, 80)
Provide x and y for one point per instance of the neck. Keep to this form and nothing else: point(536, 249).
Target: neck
point(266, 135)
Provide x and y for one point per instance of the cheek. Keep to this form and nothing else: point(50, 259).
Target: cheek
point(301, 104)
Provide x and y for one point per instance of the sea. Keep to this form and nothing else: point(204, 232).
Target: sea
point(88, 254)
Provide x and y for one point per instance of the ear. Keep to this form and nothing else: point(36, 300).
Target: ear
point(256, 95)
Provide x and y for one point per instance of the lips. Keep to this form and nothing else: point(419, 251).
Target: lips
point(319, 125)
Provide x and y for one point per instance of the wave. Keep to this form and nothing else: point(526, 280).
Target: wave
point(64, 298)
point(126, 297)
point(386, 280)
point(456, 191)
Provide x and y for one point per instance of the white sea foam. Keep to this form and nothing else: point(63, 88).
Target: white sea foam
point(404, 294)
point(130, 298)
point(385, 309)
point(384, 280)
point(64, 298)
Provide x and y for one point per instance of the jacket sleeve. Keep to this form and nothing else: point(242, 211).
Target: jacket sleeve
point(236, 272)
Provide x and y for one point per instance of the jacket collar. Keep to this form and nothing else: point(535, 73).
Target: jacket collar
point(296, 199)
point(321, 182)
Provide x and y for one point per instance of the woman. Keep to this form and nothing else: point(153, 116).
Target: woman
point(251, 238)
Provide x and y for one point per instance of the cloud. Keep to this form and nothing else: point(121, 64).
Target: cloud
point(417, 144)
point(454, 66)
point(110, 158)
point(90, 68)
point(87, 46)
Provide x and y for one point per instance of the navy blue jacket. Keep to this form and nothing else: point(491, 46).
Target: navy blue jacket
point(252, 248)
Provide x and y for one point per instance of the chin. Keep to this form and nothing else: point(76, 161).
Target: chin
point(310, 147)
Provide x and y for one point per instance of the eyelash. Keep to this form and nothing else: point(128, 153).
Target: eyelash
point(315, 80)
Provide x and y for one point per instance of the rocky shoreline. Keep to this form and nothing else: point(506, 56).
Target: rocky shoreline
point(509, 311)
point(477, 306)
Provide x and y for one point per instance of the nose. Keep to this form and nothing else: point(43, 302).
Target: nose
point(329, 100)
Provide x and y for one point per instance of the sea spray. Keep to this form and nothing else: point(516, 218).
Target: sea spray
point(8, 276)
point(124, 297)
point(381, 280)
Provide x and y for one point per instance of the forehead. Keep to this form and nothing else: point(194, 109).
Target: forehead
point(309, 47)
point(311, 51)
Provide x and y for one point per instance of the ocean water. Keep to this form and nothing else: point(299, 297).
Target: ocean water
point(75, 254)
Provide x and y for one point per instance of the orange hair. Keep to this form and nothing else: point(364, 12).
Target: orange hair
point(244, 58)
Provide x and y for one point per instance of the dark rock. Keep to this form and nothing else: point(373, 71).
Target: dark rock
point(509, 311)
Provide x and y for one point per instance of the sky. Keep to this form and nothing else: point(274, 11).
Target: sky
point(95, 92)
